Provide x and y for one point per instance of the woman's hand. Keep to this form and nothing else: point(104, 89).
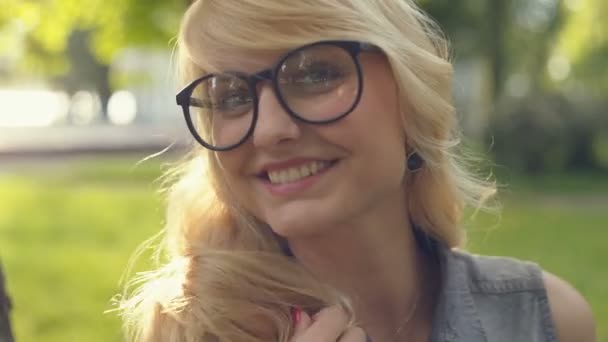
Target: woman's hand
point(328, 325)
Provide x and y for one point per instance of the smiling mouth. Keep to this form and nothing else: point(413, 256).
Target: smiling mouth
point(297, 173)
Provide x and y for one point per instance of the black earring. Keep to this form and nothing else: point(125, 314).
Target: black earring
point(414, 162)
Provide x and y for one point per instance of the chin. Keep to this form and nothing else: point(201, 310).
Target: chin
point(301, 221)
point(293, 227)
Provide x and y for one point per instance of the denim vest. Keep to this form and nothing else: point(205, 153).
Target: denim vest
point(486, 298)
point(490, 299)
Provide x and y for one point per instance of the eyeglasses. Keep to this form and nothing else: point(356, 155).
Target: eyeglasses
point(318, 83)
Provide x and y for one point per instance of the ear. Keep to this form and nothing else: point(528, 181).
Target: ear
point(414, 162)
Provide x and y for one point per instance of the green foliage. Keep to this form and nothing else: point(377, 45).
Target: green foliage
point(47, 25)
point(462, 21)
point(584, 41)
point(67, 233)
point(522, 36)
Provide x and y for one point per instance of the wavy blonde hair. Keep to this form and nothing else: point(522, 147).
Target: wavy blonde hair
point(226, 277)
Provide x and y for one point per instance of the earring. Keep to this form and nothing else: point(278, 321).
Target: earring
point(414, 162)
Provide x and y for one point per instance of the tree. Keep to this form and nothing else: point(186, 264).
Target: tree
point(510, 35)
point(584, 44)
point(74, 41)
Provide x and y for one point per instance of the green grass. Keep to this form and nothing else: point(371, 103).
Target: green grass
point(67, 235)
point(65, 240)
point(566, 238)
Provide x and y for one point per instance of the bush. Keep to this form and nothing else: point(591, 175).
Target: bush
point(544, 133)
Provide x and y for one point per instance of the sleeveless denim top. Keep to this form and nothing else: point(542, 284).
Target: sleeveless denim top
point(486, 298)
point(489, 299)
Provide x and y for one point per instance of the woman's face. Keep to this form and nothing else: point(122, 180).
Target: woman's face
point(354, 165)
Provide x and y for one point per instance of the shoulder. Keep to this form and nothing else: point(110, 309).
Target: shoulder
point(570, 311)
point(547, 302)
point(505, 297)
point(499, 274)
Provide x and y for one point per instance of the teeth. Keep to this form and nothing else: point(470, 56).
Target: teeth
point(293, 174)
point(304, 171)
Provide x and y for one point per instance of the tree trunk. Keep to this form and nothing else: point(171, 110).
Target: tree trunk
point(498, 13)
point(86, 71)
point(6, 334)
point(104, 90)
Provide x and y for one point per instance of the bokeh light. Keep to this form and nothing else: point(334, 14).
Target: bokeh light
point(32, 108)
point(122, 108)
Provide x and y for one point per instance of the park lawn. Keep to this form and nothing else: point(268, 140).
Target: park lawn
point(65, 240)
point(66, 237)
point(566, 239)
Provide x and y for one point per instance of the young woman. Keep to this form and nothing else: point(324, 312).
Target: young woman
point(323, 197)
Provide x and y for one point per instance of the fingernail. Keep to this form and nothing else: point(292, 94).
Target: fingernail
point(296, 315)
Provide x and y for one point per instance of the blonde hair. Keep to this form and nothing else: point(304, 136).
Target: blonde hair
point(226, 277)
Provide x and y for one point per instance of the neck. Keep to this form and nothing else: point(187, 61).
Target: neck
point(381, 269)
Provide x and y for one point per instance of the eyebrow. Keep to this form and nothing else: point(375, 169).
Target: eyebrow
point(258, 61)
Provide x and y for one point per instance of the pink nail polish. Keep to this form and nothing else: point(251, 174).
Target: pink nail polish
point(296, 315)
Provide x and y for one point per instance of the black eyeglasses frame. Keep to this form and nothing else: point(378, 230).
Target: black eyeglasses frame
point(354, 48)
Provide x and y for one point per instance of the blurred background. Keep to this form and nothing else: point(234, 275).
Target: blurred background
point(87, 92)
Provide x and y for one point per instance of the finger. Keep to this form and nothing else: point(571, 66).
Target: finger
point(328, 324)
point(354, 334)
point(303, 322)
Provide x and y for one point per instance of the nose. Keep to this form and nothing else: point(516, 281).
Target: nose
point(274, 125)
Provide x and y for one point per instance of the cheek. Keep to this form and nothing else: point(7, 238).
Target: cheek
point(376, 124)
point(233, 169)
point(381, 160)
point(376, 134)
point(378, 113)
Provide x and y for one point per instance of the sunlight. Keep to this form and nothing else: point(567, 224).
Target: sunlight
point(559, 67)
point(84, 108)
point(32, 108)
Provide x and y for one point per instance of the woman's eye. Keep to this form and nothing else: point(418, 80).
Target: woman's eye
point(232, 101)
point(201, 103)
point(232, 106)
point(319, 75)
point(314, 80)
